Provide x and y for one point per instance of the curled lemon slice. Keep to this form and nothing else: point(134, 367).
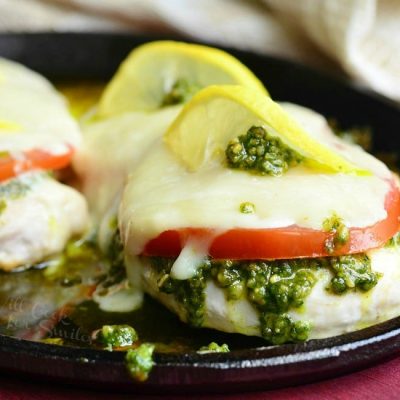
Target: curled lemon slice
point(221, 113)
point(166, 72)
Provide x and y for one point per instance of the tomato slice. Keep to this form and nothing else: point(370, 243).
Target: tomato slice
point(281, 243)
point(33, 159)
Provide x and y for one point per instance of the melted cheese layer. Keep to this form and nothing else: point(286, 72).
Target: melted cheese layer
point(111, 149)
point(32, 113)
point(161, 194)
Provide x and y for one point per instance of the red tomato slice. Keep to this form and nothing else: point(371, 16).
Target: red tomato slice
point(33, 159)
point(282, 243)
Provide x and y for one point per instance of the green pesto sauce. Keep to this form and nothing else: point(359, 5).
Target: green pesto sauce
point(17, 187)
point(394, 241)
point(214, 348)
point(69, 267)
point(14, 188)
point(260, 153)
point(247, 208)
point(272, 287)
point(115, 254)
point(340, 234)
point(139, 361)
point(352, 272)
point(3, 206)
point(111, 336)
point(181, 92)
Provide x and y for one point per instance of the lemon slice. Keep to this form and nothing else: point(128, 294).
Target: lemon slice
point(221, 113)
point(155, 72)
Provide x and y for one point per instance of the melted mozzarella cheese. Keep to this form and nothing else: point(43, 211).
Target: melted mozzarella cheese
point(317, 126)
point(111, 149)
point(39, 223)
point(161, 194)
point(32, 113)
point(329, 314)
point(190, 259)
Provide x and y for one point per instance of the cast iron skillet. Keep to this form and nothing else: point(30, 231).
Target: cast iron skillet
point(92, 56)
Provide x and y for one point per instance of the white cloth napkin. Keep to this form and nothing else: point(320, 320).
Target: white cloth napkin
point(361, 37)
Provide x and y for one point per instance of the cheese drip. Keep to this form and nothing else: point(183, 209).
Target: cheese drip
point(192, 256)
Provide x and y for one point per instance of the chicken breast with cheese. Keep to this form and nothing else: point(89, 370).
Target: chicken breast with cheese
point(307, 252)
point(38, 215)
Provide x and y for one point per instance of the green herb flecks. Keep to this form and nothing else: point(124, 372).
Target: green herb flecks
point(115, 254)
point(281, 328)
point(214, 348)
point(340, 234)
point(140, 362)
point(3, 206)
point(261, 153)
point(180, 92)
point(247, 208)
point(394, 241)
point(15, 188)
point(111, 336)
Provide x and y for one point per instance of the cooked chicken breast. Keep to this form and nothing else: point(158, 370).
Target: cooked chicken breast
point(38, 215)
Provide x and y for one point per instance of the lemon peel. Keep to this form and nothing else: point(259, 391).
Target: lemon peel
point(219, 113)
point(152, 70)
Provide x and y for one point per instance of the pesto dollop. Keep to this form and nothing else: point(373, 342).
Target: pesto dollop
point(260, 153)
point(111, 336)
point(247, 208)
point(340, 234)
point(139, 361)
point(214, 348)
point(181, 91)
point(352, 272)
point(280, 329)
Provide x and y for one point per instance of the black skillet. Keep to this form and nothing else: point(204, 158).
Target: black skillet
point(95, 57)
